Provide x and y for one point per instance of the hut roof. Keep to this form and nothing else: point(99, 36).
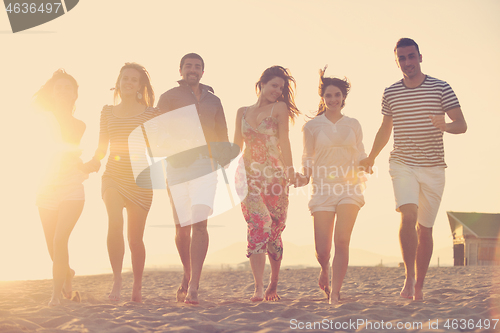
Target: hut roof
point(481, 225)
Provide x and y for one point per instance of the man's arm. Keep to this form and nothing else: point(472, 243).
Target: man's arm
point(457, 125)
point(381, 139)
point(221, 125)
point(163, 103)
point(238, 136)
point(221, 150)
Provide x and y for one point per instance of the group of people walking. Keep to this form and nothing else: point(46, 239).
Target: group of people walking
point(333, 160)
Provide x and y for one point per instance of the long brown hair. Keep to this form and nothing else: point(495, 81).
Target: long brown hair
point(343, 84)
point(146, 90)
point(288, 90)
point(43, 98)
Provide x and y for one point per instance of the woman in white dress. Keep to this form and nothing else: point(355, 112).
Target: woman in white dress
point(332, 149)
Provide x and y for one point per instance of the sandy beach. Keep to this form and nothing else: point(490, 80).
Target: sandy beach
point(467, 298)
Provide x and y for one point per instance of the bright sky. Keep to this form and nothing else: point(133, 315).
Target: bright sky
point(459, 41)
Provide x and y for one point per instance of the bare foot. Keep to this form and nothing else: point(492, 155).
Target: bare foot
point(258, 294)
point(324, 283)
point(67, 287)
point(116, 291)
point(181, 294)
point(76, 297)
point(419, 294)
point(271, 292)
point(182, 290)
point(191, 296)
point(334, 299)
point(137, 293)
point(54, 301)
point(408, 289)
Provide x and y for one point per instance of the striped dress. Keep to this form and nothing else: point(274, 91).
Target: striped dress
point(417, 142)
point(127, 167)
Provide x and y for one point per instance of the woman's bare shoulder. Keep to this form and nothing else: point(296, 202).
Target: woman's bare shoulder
point(281, 110)
point(240, 111)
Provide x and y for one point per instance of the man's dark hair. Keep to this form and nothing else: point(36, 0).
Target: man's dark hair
point(402, 42)
point(193, 56)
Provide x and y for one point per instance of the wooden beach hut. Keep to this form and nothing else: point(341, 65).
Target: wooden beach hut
point(476, 238)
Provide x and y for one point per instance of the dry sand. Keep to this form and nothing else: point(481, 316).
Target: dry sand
point(370, 295)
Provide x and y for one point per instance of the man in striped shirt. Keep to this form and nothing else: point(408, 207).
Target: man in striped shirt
point(415, 108)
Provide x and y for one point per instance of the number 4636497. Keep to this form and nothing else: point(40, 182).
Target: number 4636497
point(32, 8)
point(470, 324)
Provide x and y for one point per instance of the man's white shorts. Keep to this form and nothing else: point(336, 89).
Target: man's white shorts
point(186, 194)
point(422, 186)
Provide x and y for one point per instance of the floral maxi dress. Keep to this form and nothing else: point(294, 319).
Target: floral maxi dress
point(265, 206)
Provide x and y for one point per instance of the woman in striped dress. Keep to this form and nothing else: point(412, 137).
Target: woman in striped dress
point(120, 189)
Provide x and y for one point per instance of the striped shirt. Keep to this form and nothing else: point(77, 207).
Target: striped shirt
point(417, 142)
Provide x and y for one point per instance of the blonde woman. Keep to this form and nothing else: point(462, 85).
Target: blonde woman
point(119, 188)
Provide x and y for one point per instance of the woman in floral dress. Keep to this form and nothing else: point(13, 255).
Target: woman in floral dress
point(263, 127)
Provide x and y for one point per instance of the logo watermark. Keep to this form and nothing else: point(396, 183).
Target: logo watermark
point(207, 179)
point(27, 14)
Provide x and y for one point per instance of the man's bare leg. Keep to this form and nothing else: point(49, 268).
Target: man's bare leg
point(183, 243)
point(258, 264)
point(271, 293)
point(423, 258)
point(408, 241)
point(199, 248)
point(323, 233)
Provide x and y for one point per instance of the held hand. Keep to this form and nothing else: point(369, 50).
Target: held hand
point(84, 167)
point(438, 121)
point(92, 166)
point(290, 175)
point(301, 180)
point(366, 165)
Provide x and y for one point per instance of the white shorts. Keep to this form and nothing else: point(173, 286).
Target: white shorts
point(66, 187)
point(52, 197)
point(422, 186)
point(338, 194)
point(186, 194)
